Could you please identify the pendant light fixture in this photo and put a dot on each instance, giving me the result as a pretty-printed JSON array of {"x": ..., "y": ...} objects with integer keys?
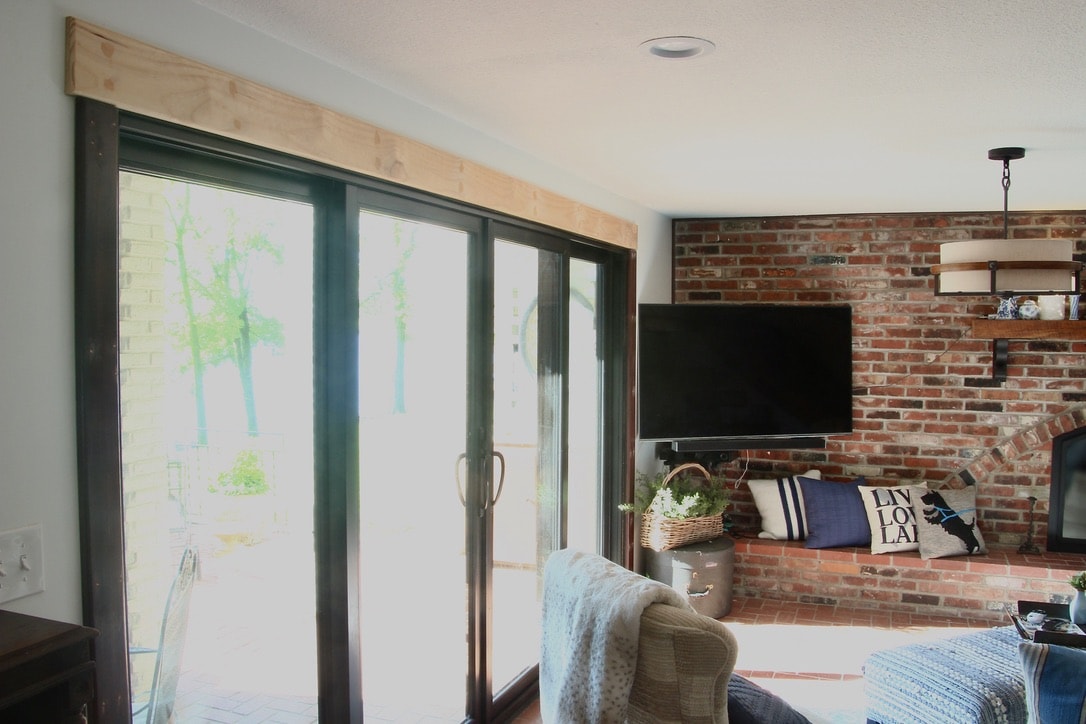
[{"x": 1006, "y": 267}]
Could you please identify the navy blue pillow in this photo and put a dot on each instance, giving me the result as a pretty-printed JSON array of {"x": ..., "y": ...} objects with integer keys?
[
  {"x": 835, "y": 513},
  {"x": 749, "y": 703},
  {"x": 1055, "y": 686}
]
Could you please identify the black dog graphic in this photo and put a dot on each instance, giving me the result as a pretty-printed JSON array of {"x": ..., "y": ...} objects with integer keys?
[{"x": 937, "y": 512}]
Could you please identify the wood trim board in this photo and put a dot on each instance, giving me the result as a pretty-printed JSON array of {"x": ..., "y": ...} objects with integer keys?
[{"x": 140, "y": 78}]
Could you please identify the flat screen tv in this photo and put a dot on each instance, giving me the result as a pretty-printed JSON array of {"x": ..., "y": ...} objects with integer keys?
[{"x": 740, "y": 371}]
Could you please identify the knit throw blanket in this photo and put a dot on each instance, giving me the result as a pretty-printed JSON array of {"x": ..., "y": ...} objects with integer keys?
[{"x": 591, "y": 622}]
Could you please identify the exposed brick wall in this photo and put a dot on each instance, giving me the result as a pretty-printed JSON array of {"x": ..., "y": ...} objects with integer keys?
[
  {"x": 148, "y": 566},
  {"x": 975, "y": 586},
  {"x": 925, "y": 408}
]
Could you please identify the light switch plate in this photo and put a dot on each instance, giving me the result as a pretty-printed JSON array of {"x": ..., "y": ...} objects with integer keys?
[{"x": 22, "y": 570}]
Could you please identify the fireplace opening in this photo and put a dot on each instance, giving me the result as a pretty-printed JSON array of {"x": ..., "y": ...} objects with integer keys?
[{"x": 1067, "y": 494}]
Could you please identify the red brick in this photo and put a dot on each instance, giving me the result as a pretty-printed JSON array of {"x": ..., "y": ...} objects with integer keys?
[
  {"x": 978, "y": 586},
  {"x": 917, "y": 418}
]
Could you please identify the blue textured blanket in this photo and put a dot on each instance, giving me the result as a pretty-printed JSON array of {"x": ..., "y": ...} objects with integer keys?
[{"x": 971, "y": 679}]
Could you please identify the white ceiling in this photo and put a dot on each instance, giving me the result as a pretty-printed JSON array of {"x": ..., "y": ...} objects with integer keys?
[{"x": 831, "y": 106}]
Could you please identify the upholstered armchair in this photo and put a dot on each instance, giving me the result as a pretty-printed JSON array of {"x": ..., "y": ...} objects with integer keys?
[{"x": 620, "y": 647}]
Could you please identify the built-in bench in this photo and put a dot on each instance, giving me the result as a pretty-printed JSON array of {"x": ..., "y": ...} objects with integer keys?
[{"x": 979, "y": 586}]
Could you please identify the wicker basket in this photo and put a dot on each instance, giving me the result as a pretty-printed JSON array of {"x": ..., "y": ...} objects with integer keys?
[{"x": 661, "y": 534}]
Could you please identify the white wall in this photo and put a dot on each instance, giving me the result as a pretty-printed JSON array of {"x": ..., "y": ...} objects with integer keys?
[{"x": 37, "y": 391}]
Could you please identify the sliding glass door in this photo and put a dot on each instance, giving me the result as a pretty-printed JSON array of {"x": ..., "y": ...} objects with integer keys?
[
  {"x": 216, "y": 330},
  {"x": 546, "y": 365},
  {"x": 412, "y": 378},
  {"x": 463, "y": 500},
  {"x": 345, "y": 426},
  {"x": 527, "y": 437}
]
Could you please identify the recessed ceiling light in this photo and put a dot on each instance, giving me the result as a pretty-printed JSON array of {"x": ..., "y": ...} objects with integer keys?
[{"x": 677, "y": 46}]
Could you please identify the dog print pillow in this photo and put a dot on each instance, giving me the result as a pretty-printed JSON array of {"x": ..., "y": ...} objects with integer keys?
[{"x": 946, "y": 522}]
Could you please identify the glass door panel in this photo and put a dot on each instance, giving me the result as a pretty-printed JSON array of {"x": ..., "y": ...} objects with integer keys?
[
  {"x": 524, "y": 513},
  {"x": 413, "y": 336},
  {"x": 543, "y": 365},
  {"x": 584, "y": 489},
  {"x": 217, "y": 449}
]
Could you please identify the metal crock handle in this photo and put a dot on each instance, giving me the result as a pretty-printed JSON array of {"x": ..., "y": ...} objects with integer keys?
[{"x": 701, "y": 594}]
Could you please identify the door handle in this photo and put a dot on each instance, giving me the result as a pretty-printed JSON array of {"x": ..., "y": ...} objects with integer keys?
[
  {"x": 462, "y": 457},
  {"x": 489, "y": 500},
  {"x": 493, "y": 500}
]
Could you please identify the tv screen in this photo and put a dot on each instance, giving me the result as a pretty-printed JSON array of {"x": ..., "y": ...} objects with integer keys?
[{"x": 744, "y": 371}]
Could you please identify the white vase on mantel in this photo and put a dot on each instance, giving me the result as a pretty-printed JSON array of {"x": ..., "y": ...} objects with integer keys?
[{"x": 1077, "y": 609}]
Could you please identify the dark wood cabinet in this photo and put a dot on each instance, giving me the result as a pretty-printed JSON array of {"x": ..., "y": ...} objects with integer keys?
[{"x": 46, "y": 670}]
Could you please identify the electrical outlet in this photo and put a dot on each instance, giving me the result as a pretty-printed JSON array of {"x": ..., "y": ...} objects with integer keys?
[{"x": 22, "y": 570}]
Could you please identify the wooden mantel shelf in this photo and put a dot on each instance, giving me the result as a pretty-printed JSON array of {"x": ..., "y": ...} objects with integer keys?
[
  {"x": 1000, "y": 331},
  {"x": 984, "y": 328}
]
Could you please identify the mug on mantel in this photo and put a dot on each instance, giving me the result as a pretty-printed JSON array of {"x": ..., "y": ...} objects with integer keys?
[{"x": 1052, "y": 306}]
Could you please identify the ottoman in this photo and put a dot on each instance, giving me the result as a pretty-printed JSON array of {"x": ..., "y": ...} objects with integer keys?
[{"x": 974, "y": 678}]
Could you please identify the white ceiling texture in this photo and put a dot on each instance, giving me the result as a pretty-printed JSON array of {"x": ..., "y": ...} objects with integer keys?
[{"x": 803, "y": 107}]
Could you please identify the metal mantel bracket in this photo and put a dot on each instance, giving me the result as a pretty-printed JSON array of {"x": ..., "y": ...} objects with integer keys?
[{"x": 1000, "y": 356}]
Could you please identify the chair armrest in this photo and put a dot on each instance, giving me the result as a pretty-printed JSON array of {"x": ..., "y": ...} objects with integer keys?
[{"x": 684, "y": 661}]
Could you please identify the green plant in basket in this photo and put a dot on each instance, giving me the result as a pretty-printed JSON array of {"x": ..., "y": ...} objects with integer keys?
[
  {"x": 681, "y": 497},
  {"x": 1078, "y": 581}
]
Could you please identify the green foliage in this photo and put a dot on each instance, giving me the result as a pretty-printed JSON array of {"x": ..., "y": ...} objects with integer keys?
[
  {"x": 229, "y": 326},
  {"x": 1078, "y": 581},
  {"x": 220, "y": 245},
  {"x": 683, "y": 497},
  {"x": 246, "y": 477}
]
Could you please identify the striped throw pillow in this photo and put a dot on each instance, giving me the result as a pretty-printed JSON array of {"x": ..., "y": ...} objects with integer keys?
[
  {"x": 780, "y": 505},
  {"x": 1055, "y": 685}
]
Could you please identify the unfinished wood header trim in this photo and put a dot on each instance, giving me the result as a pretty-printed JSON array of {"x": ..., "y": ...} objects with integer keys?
[{"x": 140, "y": 78}]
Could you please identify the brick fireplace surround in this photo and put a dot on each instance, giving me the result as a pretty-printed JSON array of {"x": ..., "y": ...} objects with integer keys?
[{"x": 925, "y": 406}]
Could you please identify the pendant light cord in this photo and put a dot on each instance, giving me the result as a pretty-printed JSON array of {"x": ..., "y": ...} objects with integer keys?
[
  {"x": 1006, "y": 189},
  {"x": 1006, "y": 155}
]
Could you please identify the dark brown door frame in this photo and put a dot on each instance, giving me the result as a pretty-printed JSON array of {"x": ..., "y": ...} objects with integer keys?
[{"x": 98, "y": 413}]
